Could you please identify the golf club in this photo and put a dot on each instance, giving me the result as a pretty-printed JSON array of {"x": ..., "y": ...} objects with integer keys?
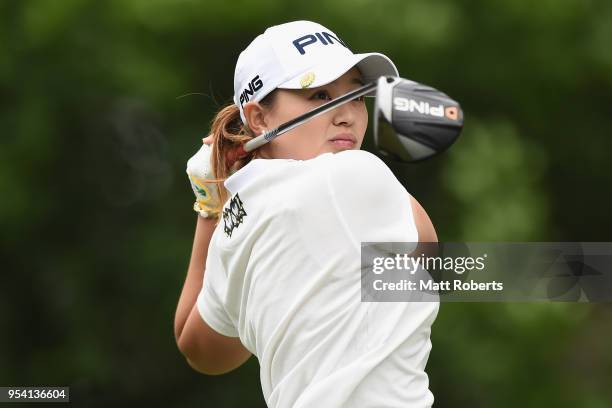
[{"x": 411, "y": 121}]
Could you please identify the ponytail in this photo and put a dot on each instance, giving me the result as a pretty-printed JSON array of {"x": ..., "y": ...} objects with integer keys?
[{"x": 229, "y": 134}]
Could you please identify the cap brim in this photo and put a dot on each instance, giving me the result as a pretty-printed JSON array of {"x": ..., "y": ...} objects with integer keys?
[{"x": 371, "y": 65}]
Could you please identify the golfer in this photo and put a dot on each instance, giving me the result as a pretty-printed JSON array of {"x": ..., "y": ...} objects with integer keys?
[{"x": 275, "y": 264}]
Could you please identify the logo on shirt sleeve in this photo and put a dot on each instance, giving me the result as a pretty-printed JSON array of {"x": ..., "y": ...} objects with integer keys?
[{"x": 233, "y": 215}]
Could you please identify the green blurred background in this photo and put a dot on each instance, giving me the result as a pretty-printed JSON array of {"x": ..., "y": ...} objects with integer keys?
[{"x": 95, "y": 213}]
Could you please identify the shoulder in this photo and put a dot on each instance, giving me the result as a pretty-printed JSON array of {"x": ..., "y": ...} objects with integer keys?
[
  {"x": 368, "y": 197},
  {"x": 361, "y": 174},
  {"x": 255, "y": 170},
  {"x": 357, "y": 161},
  {"x": 352, "y": 174}
]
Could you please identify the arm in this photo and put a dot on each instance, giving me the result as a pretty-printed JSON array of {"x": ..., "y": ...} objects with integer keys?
[
  {"x": 195, "y": 273},
  {"x": 206, "y": 350},
  {"x": 427, "y": 232}
]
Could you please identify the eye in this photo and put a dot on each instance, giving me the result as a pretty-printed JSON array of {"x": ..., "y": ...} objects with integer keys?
[{"x": 321, "y": 95}]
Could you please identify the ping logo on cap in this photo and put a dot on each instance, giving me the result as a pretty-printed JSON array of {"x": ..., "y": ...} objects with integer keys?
[
  {"x": 255, "y": 85},
  {"x": 323, "y": 37}
]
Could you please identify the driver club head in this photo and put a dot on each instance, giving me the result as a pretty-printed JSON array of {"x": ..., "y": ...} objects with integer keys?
[{"x": 412, "y": 121}]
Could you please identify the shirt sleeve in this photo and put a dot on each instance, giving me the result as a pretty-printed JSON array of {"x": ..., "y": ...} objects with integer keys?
[
  {"x": 372, "y": 204},
  {"x": 212, "y": 298}
]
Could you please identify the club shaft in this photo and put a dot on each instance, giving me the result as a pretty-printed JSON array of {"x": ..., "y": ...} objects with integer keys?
[{"x": 287, "y": 126}]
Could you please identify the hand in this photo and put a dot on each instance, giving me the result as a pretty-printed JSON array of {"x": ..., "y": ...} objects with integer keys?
[{"x": 199, "y": 171}]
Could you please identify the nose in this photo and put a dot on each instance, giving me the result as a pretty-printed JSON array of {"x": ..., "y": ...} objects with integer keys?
[{"x": 344, "y": 115}]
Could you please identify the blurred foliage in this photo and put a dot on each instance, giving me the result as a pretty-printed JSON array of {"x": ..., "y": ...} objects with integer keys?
[{"x": 102, "y": 103}]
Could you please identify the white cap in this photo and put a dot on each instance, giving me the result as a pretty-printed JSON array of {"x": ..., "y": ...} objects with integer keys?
[{"x": 297, "y": 55}]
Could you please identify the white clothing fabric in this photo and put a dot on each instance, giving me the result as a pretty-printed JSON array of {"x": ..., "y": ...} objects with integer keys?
[{"x": 287, "y": 282}]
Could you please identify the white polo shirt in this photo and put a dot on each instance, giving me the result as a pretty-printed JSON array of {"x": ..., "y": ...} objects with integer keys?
[{"x": 283, "y": 274}]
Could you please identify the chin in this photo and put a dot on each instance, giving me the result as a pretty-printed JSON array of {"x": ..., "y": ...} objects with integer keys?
[{"x": 337, "y": 149}]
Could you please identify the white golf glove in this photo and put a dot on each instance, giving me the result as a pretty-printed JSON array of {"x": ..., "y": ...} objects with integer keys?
[{"x": 199, "y": 169}]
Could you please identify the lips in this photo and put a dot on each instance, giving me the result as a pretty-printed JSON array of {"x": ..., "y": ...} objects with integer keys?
[{"x": 344, "y": 140}]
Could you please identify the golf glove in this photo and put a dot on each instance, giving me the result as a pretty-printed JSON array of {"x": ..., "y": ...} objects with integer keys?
[{"x": 199, "y": 169}]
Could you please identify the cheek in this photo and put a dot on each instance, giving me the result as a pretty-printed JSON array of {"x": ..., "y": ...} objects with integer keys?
[
  {"x": 308, "y": 137},
  {"x": 301, "y": 143},
  {"x": 279, "y": 117},
  {"x": 361, "y": 123}
]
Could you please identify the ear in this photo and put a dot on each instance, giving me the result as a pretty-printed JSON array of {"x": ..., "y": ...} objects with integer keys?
[{"x": 255, "y": 117}]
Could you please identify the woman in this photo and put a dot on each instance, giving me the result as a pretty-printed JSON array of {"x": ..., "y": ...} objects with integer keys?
[{"x": 277, "y": 275}]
